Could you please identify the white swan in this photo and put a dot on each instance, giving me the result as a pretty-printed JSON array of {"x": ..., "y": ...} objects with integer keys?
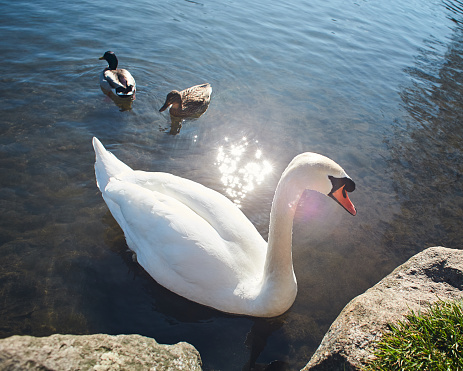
[{"x": 198, "y": 244}]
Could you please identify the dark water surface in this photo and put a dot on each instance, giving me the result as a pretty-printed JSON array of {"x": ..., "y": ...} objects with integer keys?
[{"x": 377, "y": 86}]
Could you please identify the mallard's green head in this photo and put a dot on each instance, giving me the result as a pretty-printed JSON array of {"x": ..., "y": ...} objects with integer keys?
[{"x": 111, "y": 58}]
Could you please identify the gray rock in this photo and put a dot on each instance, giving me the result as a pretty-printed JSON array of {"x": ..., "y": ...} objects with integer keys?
[
  {"x": 435, "y": 273},
  {"x": 95, "y": 352}
]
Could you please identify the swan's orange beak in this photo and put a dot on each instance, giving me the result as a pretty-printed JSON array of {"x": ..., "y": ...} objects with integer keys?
[{"x": 340, "y": 195}]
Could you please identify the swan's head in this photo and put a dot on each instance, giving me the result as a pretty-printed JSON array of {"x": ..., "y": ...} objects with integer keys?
[
  {"x": 319, "y": 173},
  {"x": 174, "y": 98},
  {"x": 111, "y": 58}
]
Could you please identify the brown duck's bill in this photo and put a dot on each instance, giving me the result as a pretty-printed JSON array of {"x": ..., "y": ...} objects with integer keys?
[
  {"x": 164, "y": 107},
  {"x": 341, "y": 197}
]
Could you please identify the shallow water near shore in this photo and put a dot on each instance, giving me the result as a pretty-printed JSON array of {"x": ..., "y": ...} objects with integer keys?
[{"x": 377, "y": 87}]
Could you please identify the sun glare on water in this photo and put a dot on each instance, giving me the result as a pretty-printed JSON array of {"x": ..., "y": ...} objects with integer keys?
[{"x": 242, "y": 167}]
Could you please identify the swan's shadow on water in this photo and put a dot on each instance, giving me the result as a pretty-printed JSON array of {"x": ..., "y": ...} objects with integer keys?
[
  {"x": 176, "y": 309},
  {"x": 256, "y": 342}
]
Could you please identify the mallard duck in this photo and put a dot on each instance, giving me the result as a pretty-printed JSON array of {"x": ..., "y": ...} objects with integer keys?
[
  {"x": 116, "y": 80},
  {"x": 189, "y": 102},
  {"x": 197, "y": 243}
]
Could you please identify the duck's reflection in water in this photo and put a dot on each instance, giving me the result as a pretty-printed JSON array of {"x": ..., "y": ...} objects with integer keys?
[
  {"x": 123, "y": 103},
  {"x": 176, "y": 123}
]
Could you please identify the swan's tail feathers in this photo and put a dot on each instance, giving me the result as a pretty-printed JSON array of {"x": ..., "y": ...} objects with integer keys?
[{"x": 106, "y": 165}]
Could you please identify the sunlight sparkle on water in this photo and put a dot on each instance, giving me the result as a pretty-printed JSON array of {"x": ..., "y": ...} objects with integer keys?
[{"x": 242, "y": 168}]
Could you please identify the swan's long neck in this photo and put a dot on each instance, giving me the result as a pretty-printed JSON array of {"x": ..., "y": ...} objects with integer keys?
[
  {"x": 279, "y": 255},
  {"x": 279, "y": 278}
]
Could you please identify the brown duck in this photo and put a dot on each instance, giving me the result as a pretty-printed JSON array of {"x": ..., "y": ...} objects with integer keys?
[{"x": 189, "y": 102}]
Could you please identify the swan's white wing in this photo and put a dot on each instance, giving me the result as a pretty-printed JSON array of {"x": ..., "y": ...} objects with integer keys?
[
  {"x": 224, "y": 216},
  {"x": 176, "y": 246},
  {"x": 217, "y": 210}
]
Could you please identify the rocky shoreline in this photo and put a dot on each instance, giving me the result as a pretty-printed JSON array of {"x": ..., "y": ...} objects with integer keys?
[
  {"x": 98, "y": 352},
  {"x": 434, "y": 274}
]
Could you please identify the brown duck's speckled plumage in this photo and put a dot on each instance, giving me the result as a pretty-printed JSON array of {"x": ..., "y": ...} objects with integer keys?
[{"x": 189, "y": 102}]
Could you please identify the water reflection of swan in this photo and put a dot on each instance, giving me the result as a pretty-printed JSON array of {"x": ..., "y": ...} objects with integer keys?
[{"x": 198, "y": 244}]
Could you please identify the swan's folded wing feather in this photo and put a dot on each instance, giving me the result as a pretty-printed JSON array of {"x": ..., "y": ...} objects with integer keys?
[
  {"x": 174, "y": 245},
  {"x": 223, "y": 215}
]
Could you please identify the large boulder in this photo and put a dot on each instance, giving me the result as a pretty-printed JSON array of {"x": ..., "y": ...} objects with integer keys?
[
  {"x": 95, "y": 352},
  {"x": 435, "y": 273}
]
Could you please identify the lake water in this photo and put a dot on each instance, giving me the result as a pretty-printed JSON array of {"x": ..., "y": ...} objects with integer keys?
[{"x": 376, "y": 86}]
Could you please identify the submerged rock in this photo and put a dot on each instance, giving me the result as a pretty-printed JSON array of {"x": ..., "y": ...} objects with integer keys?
[
  {"x": 435, "y": 273},
  {"x": 95, "y": 352}
]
